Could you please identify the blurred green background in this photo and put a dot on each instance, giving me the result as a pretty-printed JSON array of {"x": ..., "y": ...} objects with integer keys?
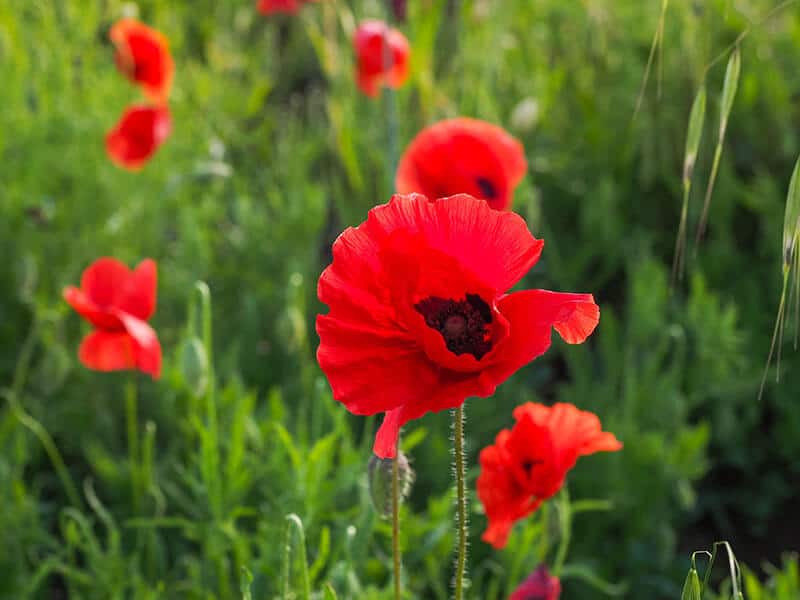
[{"x": 273, "y": 153}]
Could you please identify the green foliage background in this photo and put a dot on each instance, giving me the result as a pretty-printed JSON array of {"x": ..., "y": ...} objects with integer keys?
[{"x": 273, "y": 153}]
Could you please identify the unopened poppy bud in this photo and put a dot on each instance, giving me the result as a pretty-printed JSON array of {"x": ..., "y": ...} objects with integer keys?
[
  {"x": 194, "y": 366},
  {"x": 691, "y": 589},
  {"x": 379, "y": 472}
]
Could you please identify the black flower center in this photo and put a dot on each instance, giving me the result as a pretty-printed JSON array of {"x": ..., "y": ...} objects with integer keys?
[
  {"x": 464, "y": 324},
  {"x": 528, "y": 465},
  {"x": 487, "y": 188}
]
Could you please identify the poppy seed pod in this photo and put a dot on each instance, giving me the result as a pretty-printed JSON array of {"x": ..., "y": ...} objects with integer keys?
[{"x": 379, "y": 474}]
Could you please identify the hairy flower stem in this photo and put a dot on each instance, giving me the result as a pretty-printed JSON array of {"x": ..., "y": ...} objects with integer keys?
[
  {"x": 396, "y": 525},
  {"x": 461, "y": 501}
]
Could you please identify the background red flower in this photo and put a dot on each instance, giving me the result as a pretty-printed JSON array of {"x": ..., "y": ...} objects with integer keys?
[
  {"x": 382, "y": 56},
  {"x": 268, "y": 7},
  {"x": 528, "y": 464},
  {"x": 540, "y": 585},
  {"x": 138, "y": 134},
  {"x": 118, "y": 302},
  {"x": 142, "y": 55},
  {"x": 419, "y": 318},
  {"x": 463, "y": 156}
]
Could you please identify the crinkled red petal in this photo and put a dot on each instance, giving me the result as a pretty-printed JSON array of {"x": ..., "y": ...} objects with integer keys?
[{"x": 139, "y": 133}]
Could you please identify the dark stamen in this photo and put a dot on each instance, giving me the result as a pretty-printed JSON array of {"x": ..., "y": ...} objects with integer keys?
[
  {"x": 487, "y": 188},
  {"x": 464, "y": 324}
]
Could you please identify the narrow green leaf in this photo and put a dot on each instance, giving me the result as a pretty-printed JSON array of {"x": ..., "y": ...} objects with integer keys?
[
  {"x": 330, "y": 593},
  {"x": 728, "y": 95},
  {"x": 695, "y": 133},
  {"x": 729, "y": 89},
  {"x": 691, "y": 588},
  {"x": 791, "y": 216}
]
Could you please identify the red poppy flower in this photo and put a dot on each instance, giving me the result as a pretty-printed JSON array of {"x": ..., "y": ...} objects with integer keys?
[
  {"x": 539, "y": 586},
  {"x": 268, "y": 7},
  {"x": 137, "y": 136},
  {"x": 463, "y": 156},
  {"x": 142, "y": 55},
  {"x": 528, "y": 464},
  {"x": 382, "y": 54},
  {"x": 118, "y": 302},
  {"x": 419, "y": 316}
]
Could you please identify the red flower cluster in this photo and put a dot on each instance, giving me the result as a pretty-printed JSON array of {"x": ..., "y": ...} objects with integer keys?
[
  {"x": 539, "y": 586},
  {"x": 118, "y": 302},
  {"x": 463, "y": 156},
  {"x": 528, "y": 464},
  {"x": 382, "y": 55},
  {"x": 268, "y": 7},
  {"x": 419, "y": 315},
  {"x": 142, "y": 55}
]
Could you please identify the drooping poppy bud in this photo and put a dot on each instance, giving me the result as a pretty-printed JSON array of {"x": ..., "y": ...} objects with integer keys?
[
  {"x": 379, "y": 474},
  {"x": 142, "y": 55},
  {"x": 137, "y": 136},
  {"x": 382, "y": 56},
  {"x": 539, "y": 586}
]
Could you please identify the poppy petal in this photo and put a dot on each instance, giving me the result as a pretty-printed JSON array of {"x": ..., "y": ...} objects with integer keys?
[
  {"x": 137, "y": 296},
  {"x": 497, "y": 246},
  {"x": 103, "y": 279},
  {"x": 268, "y": 7},
  {"x": 108, "y": 351},
  {"x": 139, "y": 133},
  {"x": 579, "y": 432},
  {"x": 503, "y": 500},
  {"x": 147, "y": 347},
  {"x": 84, "y": 306},
  {"x": 142, "y": 55},
  {"x": 573, "y": 316},
  {"x": 463, "y": 156},
  {"x": 371, "y": 370}
]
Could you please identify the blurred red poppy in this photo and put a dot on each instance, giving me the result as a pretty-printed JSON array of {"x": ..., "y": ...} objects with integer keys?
[
  {"x": 419, "y": 316},
  {"x": 142, "y": 55},
  {"x": 463, "y": 156},
  {"x": 540, "y": 585},
  {"x": 137, "y": 136},
  {"x": 268, "y": 7},
  {"x": 118, "y": 302},
  {"x": 528, "y": 464},
  {"x": 382, "y": 56}
]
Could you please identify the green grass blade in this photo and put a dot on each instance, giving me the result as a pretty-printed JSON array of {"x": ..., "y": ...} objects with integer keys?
[
  {"x": 693, "y": 137},
  {"x": 729, "y": 87}
]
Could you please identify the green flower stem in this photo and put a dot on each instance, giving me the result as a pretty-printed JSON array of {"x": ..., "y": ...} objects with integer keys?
[
  {"x": 461, "y": 501},
  {"x": 396, "y": 525},
  {"x": 30, "y": 423},
  {"x": 565, "y": 523},
  {"x": 132, "y": 424}
]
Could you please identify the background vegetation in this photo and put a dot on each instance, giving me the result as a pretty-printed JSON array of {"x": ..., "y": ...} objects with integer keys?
[{"x": 273, "y": 152}]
